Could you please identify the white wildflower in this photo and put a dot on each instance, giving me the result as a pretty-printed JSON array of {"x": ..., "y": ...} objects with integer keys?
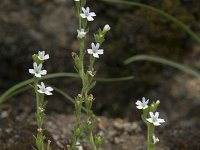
[
  {"x": 95, "y": 51},
  {"x": 37, "y": 70},
  {"x": 154, "y": 119},
  {"x": 44, "y": 90},
  {"x": 87, "y": 14},
  {"x": 42, "y": 56},
  {"x": 81, "y": 33},
  {"x": 142, "y": 104}
]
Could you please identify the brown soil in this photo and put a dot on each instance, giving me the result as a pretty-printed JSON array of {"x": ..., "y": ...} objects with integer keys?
[{"x": 17, "y": 127}]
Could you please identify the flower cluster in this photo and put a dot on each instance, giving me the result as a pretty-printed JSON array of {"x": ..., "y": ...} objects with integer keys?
[
  {"x": 89, "y": 16},
  {"x": 154, "y": 118},
  {"x": 40, "y": 90},
  {"x": 152, "y": 121},
  {"x": 86, "y": 75},
  {"x": 38, "y": 72}
]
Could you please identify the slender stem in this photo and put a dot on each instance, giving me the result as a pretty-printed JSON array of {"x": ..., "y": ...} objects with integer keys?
[
  {"x": 91, "y": 138},
  {"x": 150, "y": 131},
  {"x": 37, "y": 98},
  {"x": 81, "y": 74},
  {"x": 39, "y": 115}
]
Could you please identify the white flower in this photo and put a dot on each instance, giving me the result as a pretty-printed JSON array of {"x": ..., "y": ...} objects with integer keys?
[
  {"x": 42, "y": 56},
  {"x": 155, "y": 139},
  {"x": 44, "y": 90},
  {"x": 87, "y": 14},
  {"x": 37, "y": 70},
  {"x": 142, "y": 104},
  {"x": 81, "y": 33},
  {"x": 106, "y": 28},
  {"x": 95, "y": 51},
  {"x": 154, "y": 119}
]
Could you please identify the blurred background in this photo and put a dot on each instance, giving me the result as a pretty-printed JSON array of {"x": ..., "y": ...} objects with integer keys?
[{"x": 29, "y": 26}]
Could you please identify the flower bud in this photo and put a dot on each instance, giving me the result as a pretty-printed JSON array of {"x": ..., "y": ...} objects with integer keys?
[
  {"x": 98, "y": 140},
  {"x": 106, "y": 28},
  {"x": 78, "y": 131}
]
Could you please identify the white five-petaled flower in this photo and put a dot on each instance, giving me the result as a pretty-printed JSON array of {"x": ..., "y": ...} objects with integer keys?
[
  {"x": 155, "y": 139},
  {"x": 42, "y": 56},
  {"x": 142, "y": 104},
  {"x": 106, "y": 28},
  {"x": 154, "y": 119},
  {"x": 44, "y": 90},
  {"x": 81, "y": 33},
  {"x": 95, "y": 51},
  {"x": 87, "y": 14},
  {"x": 37, "y": 70}
]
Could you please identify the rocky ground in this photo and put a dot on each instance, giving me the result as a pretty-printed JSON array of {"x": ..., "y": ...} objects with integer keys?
[{"x": 17, "y": 127}]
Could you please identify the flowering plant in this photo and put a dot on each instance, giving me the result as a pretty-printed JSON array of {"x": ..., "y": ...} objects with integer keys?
[
  {"x": 150, "y": 122},
  {"x": 40, "y": 92},
  {"x": 87, "y": 76}
]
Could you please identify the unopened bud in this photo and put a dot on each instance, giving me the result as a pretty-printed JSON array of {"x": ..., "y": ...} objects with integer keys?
[
  {"x": 39, "y": 129},
  {"x": 78, "y": 131},
  {"x": 155, "y": 139},
  {"x": 106, "y": 28},
  {"x": 41, "y": 109},
  {"x": 98, "y": 140},
  {"x": 90, "y": 98}
]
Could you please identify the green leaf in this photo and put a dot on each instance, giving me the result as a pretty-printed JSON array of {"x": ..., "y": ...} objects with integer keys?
[
  {"x": 164, "y": 61},
  {"x": 18, "y": 88},
  {"x": 162, "y": 13},
  {"x": 114, "y": 79}
]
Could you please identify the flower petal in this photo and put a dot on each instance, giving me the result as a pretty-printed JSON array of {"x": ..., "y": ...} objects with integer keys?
[
  {"x": 138, "y": 102},
  {"x": 31, "y": 71},
  {"x": 100, "y": 51},
  {"x": 157, "y": 114},
  {"x": 48, "y": 93},
  {"x": 89, "y": 51},
  {"x": 83, "y": 9},
  {"x": 151, "y": 114},
  {"x": 161, "y": 120},
  {"x": 156, "y": 123},
  {"x": 46, "y": 57},
  {"x": 83, "y": 15},
  {"x": 92, "y": 14},
  {"x": 40, "y": 91},
  {"x": 150, "y": 120},
  {"x": 37, "y": 75},
  {"x": 139, "y": 107},
  {"x": 43, "y": 72},
  {"x": 49, "y": 88},
  {"x": 95, "y": 55},
  {"x": 90, "y": 18}
]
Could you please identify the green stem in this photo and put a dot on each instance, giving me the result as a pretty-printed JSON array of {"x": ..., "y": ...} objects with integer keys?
[
  {"x": 37, "y": 98},
  {"x": 150, "y": 132},
  {"x": 39, "y": 115},
  {"x": 91, "y": 139}
]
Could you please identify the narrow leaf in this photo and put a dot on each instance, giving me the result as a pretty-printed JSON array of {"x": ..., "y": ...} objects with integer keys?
[{"x": 176, "y": 65}]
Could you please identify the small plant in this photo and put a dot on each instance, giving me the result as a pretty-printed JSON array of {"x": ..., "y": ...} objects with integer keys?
[
  {"x": 86, "y": 74},
  {"x": 151, "y": 122},
  {"x": 40, "y": 91}
]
